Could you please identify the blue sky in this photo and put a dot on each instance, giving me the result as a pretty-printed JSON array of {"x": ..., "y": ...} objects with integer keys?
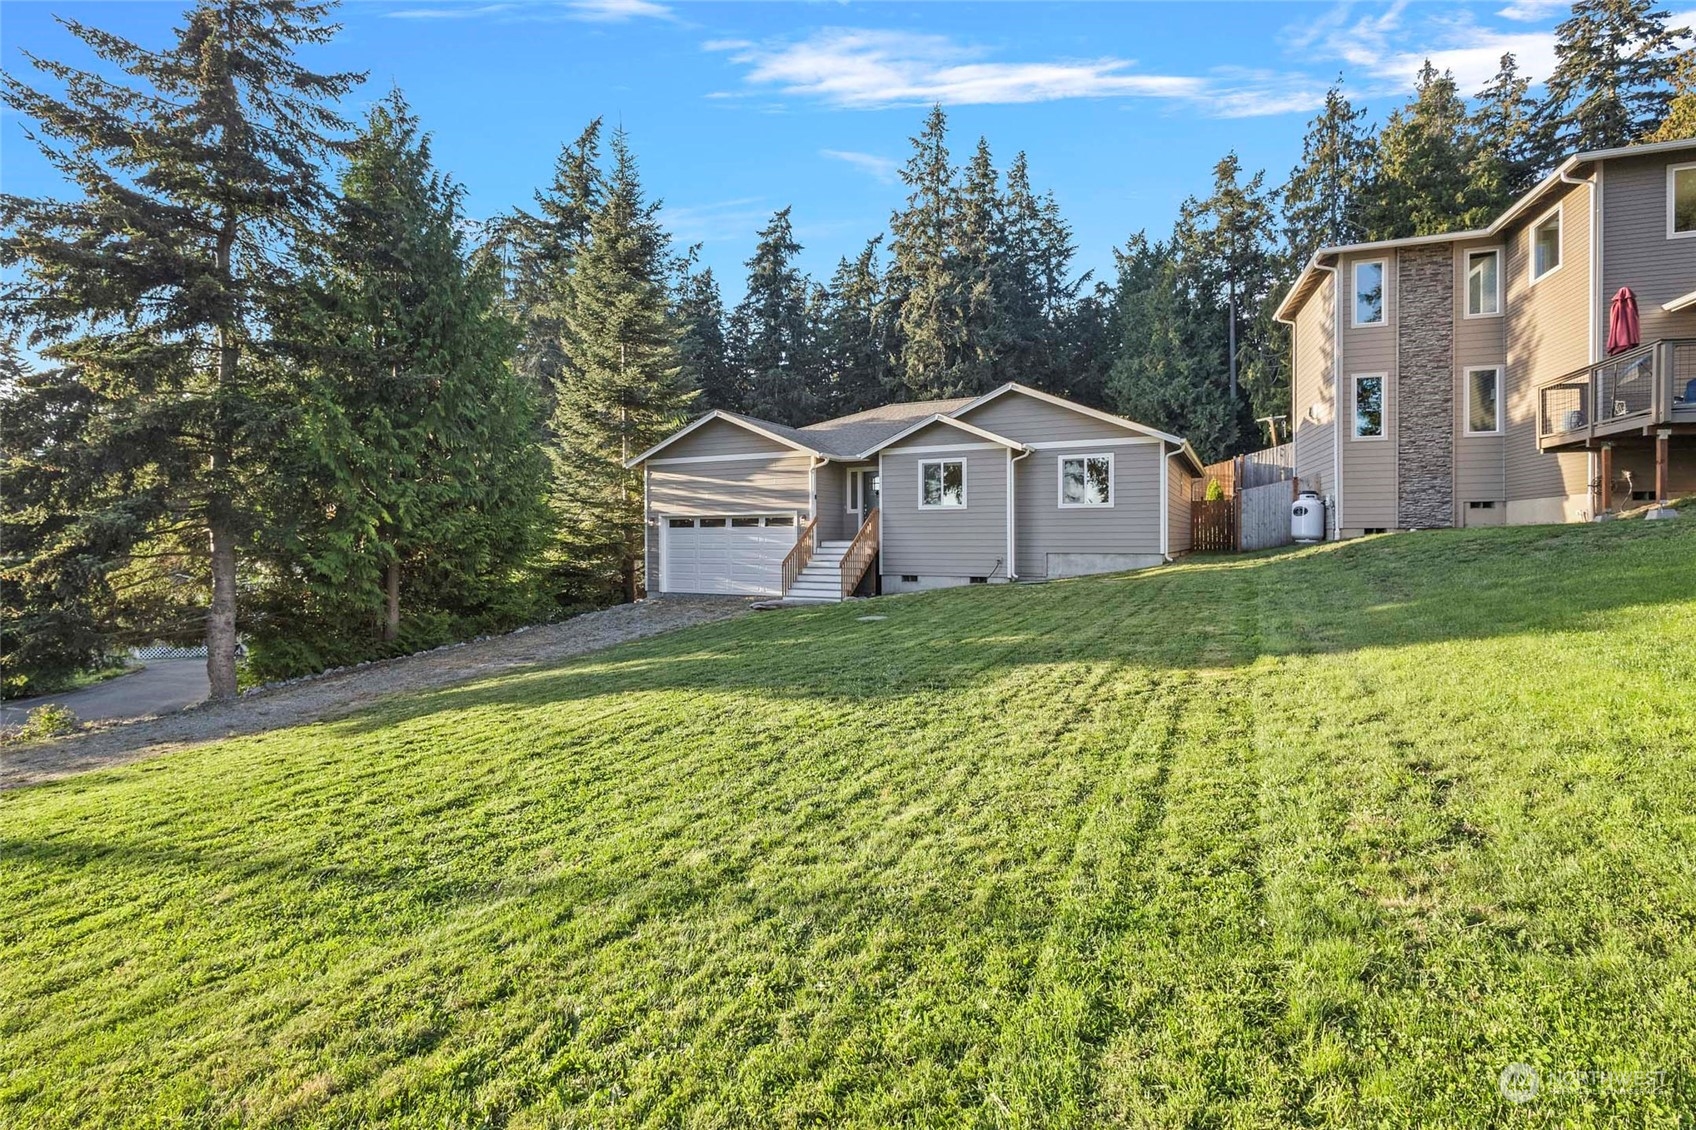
[{"x": 736, "y": 110}]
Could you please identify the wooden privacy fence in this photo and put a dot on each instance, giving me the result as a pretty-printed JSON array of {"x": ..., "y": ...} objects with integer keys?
[{"x": 1255, "y": 510}]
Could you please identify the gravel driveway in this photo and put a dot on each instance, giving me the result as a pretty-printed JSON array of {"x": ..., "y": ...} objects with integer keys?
[{"x": 339, "y": 693}]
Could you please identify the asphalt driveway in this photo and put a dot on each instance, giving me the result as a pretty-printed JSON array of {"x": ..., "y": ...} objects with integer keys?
[{"x": 161, "y": 687}]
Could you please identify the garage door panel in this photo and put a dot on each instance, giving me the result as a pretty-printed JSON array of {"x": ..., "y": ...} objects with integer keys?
[{"x": 733, "y": 557}]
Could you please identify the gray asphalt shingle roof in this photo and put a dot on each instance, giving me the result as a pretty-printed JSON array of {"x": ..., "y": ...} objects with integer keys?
[{"x": 850, "y": 435}]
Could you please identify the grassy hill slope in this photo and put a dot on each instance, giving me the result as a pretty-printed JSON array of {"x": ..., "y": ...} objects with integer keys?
[{"x": 1327, "y": 836}]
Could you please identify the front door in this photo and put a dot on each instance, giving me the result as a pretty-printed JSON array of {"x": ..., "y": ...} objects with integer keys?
[{"x": 862, "y": 494}]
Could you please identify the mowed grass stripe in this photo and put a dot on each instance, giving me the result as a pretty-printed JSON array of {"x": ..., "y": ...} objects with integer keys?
[{"x": 1318, "y": 837}]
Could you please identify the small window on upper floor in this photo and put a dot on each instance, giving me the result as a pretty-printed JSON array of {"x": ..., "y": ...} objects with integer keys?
[
  {"x": 1483, "y": 283},
  {"x": 1546, "y": 245},
  {"x": 1369, "y": 293},
  {"x": 1681, "y": 201}
]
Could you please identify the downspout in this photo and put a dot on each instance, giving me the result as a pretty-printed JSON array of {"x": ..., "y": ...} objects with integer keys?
[
  {"x": 1013, "y": 512},
  {"x": 1336, "y": 507},
  {"x": 1166, "y": 499}
]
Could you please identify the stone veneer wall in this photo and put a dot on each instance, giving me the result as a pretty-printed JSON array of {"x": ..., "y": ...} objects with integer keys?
[{"x": 1425, "y": 410}]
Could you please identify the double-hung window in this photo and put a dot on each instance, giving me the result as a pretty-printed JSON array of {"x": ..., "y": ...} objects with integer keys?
[
  {"x": 1369, "y": 406},
  {"x": 1546, "y": 245},
  {"x": 1483, "y": 283},
  {"x": 1086, "y": 480},
  {"x": 1681, "y": 201},
  {"x": 942, "y": 483},
  {"x": 1369, "y": 293},
  {"x": 1484, "y": 400}
]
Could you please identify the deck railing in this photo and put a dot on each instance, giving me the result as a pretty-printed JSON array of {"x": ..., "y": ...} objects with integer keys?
[
  {"x": 1652, "y": 384},
  {"x": 858, "y": 558},
  {"x": 796, "y": 559}
]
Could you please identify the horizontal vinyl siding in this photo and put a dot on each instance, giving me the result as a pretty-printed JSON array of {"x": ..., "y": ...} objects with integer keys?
[
  {"x": 1479, "y": 460},
  {"x": 1130, "y": 526},
  {"x": 1635, "y": 249},
  {"x": 1547, "y": 334},
  {"x": 720, "y": 437},
  {"x": 1369, "y": 466},
  {"x": 1314, "y": 411},
  {"x": 831, "y": 483},
  {"x": 938, "y": 542},
  {"x": 1179, "y": 489},
  {"x": 1029, "y": 420},
  {"x": 742, "y": 486}
]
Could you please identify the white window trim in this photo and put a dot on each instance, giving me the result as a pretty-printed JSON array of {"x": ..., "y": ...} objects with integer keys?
[
  {"x": 1383, "y": 266},
  {"x": 1383, "y": 407},
  {"x": 1672, "y": 197},
  {"x": 1466, "y": 280},
  {"x": 1501, "y": 371},
  {"x": 964, "y": 499},
  {"x": 1060, "y": 481},
  {"x": 1558, "y": 210}
]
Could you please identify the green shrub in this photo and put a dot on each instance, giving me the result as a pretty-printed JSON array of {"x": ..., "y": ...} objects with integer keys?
[
  {"x": 1215, "y": 492},
  {"x": 47, "y": 721}
]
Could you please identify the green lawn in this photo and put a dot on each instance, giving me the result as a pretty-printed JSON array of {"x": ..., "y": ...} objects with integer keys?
[{"x": 1327, "y": 836}]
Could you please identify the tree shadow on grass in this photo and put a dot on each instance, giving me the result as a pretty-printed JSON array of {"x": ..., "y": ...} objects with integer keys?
[{"x": 1208, "y": 613}]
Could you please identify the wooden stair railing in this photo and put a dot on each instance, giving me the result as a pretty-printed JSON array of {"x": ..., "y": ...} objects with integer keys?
[
  {"x": 859, "y": 556},
  {"x": 797, "y": 558}
]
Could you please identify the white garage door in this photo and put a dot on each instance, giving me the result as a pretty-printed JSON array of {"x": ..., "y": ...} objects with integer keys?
[{"x": 738, "y": 555}]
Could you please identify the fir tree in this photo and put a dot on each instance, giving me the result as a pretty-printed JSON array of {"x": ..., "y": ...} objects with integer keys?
[
  {"x": 858, "y": 335},
  {"x": 1615, "y": 61},
  {"x": 153, "y": 284},
  {"x": 983, "y": 279},
  {"x": 1506, "y": 161},
  {"x": 413, "y": 462},
  {"x": 1038, "y": 291},
  {"x": 620, "y": 389},
  {"x": 1323, "y": 198},
  {"x": 702, "y": 349},
  {"x": 1167, "y": 372},
  {"x": 772, "y": 337},
  {"x": 925, "y": 272},
  {"x": 1680, "y": 122},
  {"x": 1422, "y": 184}
]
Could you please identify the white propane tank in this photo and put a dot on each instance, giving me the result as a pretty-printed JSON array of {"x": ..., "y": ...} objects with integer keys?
[{"x": 1307, "y": 517}]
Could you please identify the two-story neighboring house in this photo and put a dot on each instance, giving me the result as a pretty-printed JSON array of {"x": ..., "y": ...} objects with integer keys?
[{"x": 1464, "y": 379}]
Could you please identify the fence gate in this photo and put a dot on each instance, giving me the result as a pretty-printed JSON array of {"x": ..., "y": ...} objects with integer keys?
[{"x": 1213, "y": 525}]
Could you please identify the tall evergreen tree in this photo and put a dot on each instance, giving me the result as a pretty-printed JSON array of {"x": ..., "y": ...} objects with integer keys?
[
  {"x": 1323, "y": 197},
  {"x": 858, "y": 335},
  {"x": 1225, "y": 241},
  {"x": 1422, "y": 184},
  {"x": 702, "y": 349},
  {"x": 541, "y": 250},
  {"x": 773, "y": 343},
  {"x": 925, "y": 269},
  {"x": 1038, "y": 291},
  {"x": 1168, "y": 368},
  {"x": 152, "y": 285},
  {"x": 1506, "y": 161},
  {"x": 620, "y": 388},
  {"x": 1680, "y": 122},
  {"x": 982, "y": 274},
  {"x": 1615, "y": 61},
  {"x": 55, "y": 551},
  {"x": 413, "y": 461}
]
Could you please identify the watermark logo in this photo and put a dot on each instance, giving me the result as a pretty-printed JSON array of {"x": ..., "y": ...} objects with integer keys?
[{"x": 1518, "y": 1082}]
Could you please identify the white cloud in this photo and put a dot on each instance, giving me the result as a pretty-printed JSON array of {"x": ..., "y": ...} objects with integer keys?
[
  {"x": 739, "y": 218},
  {"x": 871, "y": 69},
  {"x": 879, "y": 168},
  {"x": 1533, "y": 11},
  {"x": 595, "y": 11}
]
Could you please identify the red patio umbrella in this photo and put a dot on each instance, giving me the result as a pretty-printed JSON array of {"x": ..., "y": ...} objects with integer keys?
[{"x": 1623, "y": 329}]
